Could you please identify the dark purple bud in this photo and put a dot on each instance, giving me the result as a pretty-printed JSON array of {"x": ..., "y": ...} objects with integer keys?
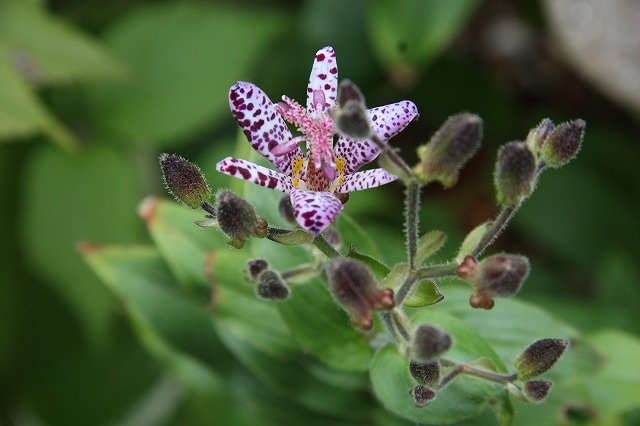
[
  {"x": 286, "y": 209},
  {"x": 515, "y": 172},
  {"x": 422, "y": 396},
  {"x": 501, "y": 275},
  {"x": 564, "y": 143},
  {"x": 355, "y": 289},
  {"x": 449, "y": 149},
  {"x": 184, "y": 181},
  {"x": 426, "y": 373},
  {"x": 351, "y": 117},
  {"x": 271, "y": 286},
  {"x": 539, "y": 357},
  {"x": 236, "y": 218},
  {"x": 537, "y": 390},
  {"x": 429, "y": 343},
  {"x": 255, "y": 267}
]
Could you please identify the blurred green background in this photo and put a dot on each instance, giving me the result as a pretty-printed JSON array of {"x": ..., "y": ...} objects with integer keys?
[{"x": 91, "y": 92}]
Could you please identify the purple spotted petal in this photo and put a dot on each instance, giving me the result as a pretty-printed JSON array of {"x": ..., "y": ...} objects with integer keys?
[
  {"x": 365, "y": 180},
  {"x": 261, "y": 123},
  {"x": 314, "y": 211},
  {"x": 323, "y": 81},
  {"x": 387, "y": 121},
  {"x": 259, "y": 175}
]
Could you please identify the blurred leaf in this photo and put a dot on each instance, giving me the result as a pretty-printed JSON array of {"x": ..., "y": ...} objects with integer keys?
[
  {"x": 429, "y": 244},
  {"x": 424, "y": 293},
  {"x": 379, "y": 269},
  {"x": 89, "y": 195},
  {"x": 186, "y": 56},
  {"x": 414, "y": 32},
  {"x": 465, "y": 397},
  {"x": 471, "y": 241},
  {"x": 21, "y": 113},
  {"x": 48, "y": 51}
]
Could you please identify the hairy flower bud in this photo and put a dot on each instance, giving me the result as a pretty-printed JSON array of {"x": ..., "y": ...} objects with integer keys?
[
  {"x": 515, "y": 172},
  {"x": 539, "y": 357},
  {"x": 422, "y": 396},
  {"x": 285, "y": 208},
  {"x": 564, "y": 143},
  {"x": 539, "y": 135},
  {"x": 351, "y": 117},
  {"x": 271, "y": 286},
  {"x": 255, "y": 267},
  {"x": 354, "y": 288},
  {"x": 236, "y": 218},
  {"x": 184, "y": 180},
  {"x": 426, "y": 373},
  {"x": 429, "y": 343},
  {"x": 537, "y": 390},
  {"x": 449, "y": 149}
]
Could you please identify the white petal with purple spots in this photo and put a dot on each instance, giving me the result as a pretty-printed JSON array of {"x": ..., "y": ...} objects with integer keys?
[
  {"x": 323, "y": 81},
  {"x": 387, "y": 121},
  {"x": 314, "y": 211},
  {"x": 261, "y": 123},
  {"x": 259, "y": 175},
  {"x": 365, "y": 180}
]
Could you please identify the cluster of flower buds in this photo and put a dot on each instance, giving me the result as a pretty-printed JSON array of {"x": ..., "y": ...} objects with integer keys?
[
  {"x": 499, "y": 275},
  {"x": 428, "y": 345},
  {"x": 539, "y": 357},
  {"x": 355, "y": 289},
  {"x": 269, "y": 284}
]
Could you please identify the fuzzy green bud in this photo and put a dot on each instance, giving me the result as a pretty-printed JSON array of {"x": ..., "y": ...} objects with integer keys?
[
  {"x": 429, "y": 343},
  {"x": 184, "y": 180},
  {"x": 354, "y": 288},
  {"x": 236, "y": 218},
  {"x": 449, "y": 149},
  {"x": 515, "y": 172},
  {"x": 271, "y": 286},
  {"x": 564, "y": 143},
  {"x": 539, "y": 357},
  {"x": 501, "y": 275},
  {"x": 537, "y": 390},
  {"x": 426, "y": 373},
  {"x": 422, "y": 396},
  {"x": 351, "y": 115},
  {"x": 539, "y": 135}
]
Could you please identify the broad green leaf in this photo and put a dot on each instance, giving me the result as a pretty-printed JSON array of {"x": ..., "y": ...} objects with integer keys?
[
  {"x": 412, "y": 33},
  {"x": 353, "y": 234},
  {"x": 379, "y": 269},
  {"x": 48, "y": 51},
  {"x": 323, "y": 329},
  {"x": 428, "y": 244},
  {"x": 471, "y": 241},
  {"x": 465, "y": 397},
  {"x": 91, "y": 195},
  {"x": 21, "y": 113},
  {"x": 424, "y": 293},
  {"x": 186, "y": 56}
]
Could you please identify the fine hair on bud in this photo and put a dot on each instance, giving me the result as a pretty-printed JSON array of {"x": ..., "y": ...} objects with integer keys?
[
  {"x": 354, "y": 288},
  {"x": 184, "y": 180},
  {"x": 449, "y": 149},
  {"x": 539, "y": 357},
  {"x": 255, "y": 267},
  {"x": 426, "y": 373},
  {"x": 539, "y": 135},
  {"x": 564, "y": 143},
  {"x": 271, "y": 286},
  {"x": 422, "y": 395},
  {"x": 515, "y": 172},
  {"x": 537, "y": 390},
  {"x": 236, "y": 217},
  {"x": 429, "y": 343},
  {"x": 501, "y": 275}
]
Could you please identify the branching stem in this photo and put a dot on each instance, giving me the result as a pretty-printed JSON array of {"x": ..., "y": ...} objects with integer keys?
[{"x": 459, "y": 369}]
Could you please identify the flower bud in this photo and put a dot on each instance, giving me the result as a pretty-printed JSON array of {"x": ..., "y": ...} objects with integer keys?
[
  {"x": 351, "y": 117},
  {"x": 426, "y": 373},
  {"x": 271, "y": 286},
  {"x": 422, "y": 396},
  {"x": 539, "y": 357},
  {"x": 255, "y": 267},
  {"x": 515, "y": 172},
  {"x": 354, "y": 288},
  {"x": 539, "y": 135},
  {"x": 236, "y": 218},
  {"x": 449, "y": 149},
  {"x": 184, "y": 181},
  {"x": 564, "y": 143},
  {"x": 501, "y": 275},
  {"x": 537, "y": 390},
  {"x": 429, "y": 343},
  {"x": 285, "y": 208}
]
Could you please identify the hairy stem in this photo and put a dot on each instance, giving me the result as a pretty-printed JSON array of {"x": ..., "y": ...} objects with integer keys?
[
  {"x": 497, "y": 226},
  {"x": 438, "y": 271},
  {"x": 325, "y": 247},
  {"x": 209, "y": 208},
  {"x": 412, "y": 208},
  {"x": 392, "y": 154},
  {"x": 405, "y": 288},
  {"x": 459, "y": 369}
]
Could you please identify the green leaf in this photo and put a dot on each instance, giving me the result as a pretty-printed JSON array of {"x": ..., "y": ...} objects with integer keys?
[
  {"x": 471, "y": 241},
  {"x": 414, "y": 32},
  {"x": 465, "y": 397},
  {"x": 379, "y": 269},
  {"x": 424, "y": 293},
  {"x": 186, "y": 55},
  {"x": 396, "y": 277},
  {"x": 429, "y": 244}
]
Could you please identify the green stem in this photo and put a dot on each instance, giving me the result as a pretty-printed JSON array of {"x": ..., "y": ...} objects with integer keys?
[
  {"x": 497, "y": 226},
  {"x": 438, "y": 271},
  {"x": 412, "y": 207},
  {"x": 325, "y": 247},
  {"x": 405, "y": 288},
  {"x": 392, "y": 154},
  {"x": 459, "y": 369}
]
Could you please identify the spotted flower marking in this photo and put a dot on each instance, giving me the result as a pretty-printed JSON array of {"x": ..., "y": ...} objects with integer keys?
[{"x": 312, "y": 177}]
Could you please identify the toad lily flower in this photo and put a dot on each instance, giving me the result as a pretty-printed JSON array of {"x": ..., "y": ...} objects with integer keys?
[{"x": 317, "y": 180}]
